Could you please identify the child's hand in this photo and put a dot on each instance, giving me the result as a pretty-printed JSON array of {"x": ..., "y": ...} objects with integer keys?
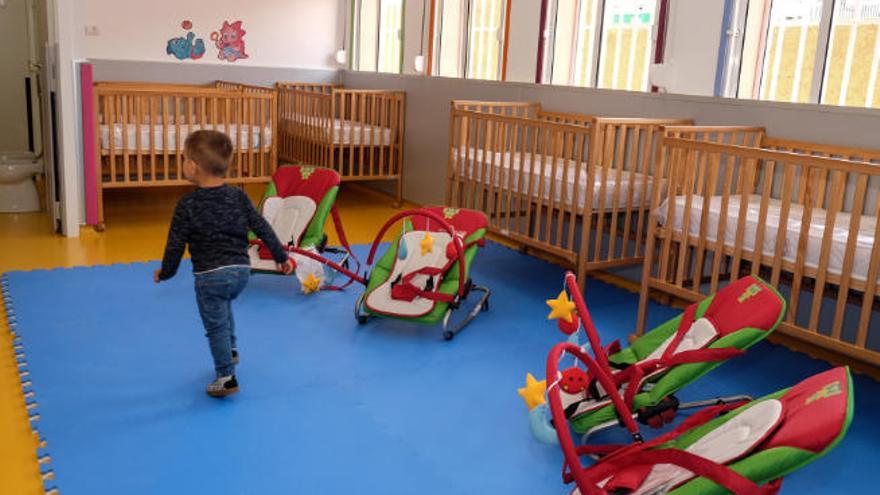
[
  {"x": 286, "y": 267},
  {"x": 156, "y": 276}
]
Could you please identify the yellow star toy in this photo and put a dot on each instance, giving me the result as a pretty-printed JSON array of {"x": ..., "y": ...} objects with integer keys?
[
  {"x": 533, "y": 392},
  {"x": 561, "y": 307},
  {"x": 311, "y": 284},
  {"x": 427, "y": 244}
]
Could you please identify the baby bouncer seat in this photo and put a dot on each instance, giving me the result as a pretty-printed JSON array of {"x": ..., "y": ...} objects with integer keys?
[
  {"x": 745, "y": 447},
  {"x": 739, "y": 446},
  {"x": 656, "y": 365},
  {"x": 297, "y": 204},
  {"x": 424, "y": 276}
]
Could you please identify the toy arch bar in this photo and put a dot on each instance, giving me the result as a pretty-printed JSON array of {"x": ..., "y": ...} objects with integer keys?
[{"x": 430, "y": 215}]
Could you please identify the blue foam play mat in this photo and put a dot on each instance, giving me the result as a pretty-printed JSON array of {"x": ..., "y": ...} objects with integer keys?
[{"x": 118, "y": 366}]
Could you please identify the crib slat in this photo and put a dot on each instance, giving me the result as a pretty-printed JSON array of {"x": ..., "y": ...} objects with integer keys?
[
  {"x": 578, "y": 153},
  {"x": 711, "y": 162},
  {"x": 494, "y": 165},
  {"x": 721, "y": 235},
  {"x": 761, "y": 227},
  {"x": 870, "y": 282},
  {"x": 153, "y": 105},
  {"x": 803, "y": 241},
  {"x": 607, "y": 137},
  {"x": 676, "y": 170},
  {"x": 691, "y": 165},
  {"x": 362, "y": 118},
  {"x": 838, "y": 183},
  {"x": 110, "y": 118},
  {"x": 849, "y": 254},
  {"x": 126, "y": 108},
  {"x": 634, "y": 173},
  {"x": 550, "y": 200},
  {"x": 647, "y": 167},
  {"x": 165, "y": 102},
  {"x": 618, "y": 163},
  {"x": 745, "y": 184}
]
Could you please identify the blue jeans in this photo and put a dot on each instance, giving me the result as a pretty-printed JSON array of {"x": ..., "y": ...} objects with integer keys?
[{"x": 215, "y": 292}]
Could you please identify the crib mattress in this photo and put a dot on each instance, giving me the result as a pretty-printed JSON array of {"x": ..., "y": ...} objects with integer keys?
[
  {"x": 503, "y": 172},
  {"x": 345, "y": 132},
  {"x": 125, "y": 137},
  {"x": 839, "y": 237}
]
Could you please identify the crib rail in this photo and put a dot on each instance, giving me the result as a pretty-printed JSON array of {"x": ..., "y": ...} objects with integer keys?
[
  {"x": 505, "y": 108},
  {"x": 358, "y": 133},
  {"x": 246, "y": 88},
  {"x": 805, "y": 223},
  {"x": 140, "y": 130},
  {"x": 578, "y": 192}
]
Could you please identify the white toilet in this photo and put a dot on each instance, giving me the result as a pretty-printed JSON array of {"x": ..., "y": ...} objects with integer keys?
[{"x": 18, "y": 193}]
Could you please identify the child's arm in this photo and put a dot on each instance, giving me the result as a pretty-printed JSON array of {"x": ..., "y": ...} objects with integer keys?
[
  {"x": 176, "y": 244},
  {"x": 264, "y": 231}
]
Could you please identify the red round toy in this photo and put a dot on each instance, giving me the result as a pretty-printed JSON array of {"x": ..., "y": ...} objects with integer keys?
[
  {"x": 186, "y": 25},
  {"x": 574, "y": 380},
  {"x": 569, "y": 328}
]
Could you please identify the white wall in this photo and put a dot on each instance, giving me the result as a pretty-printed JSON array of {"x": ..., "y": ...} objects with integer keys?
[
  {"x": 522, "y": 49},
  {"x": 693, "y": 39},
  {"x": 14, "y": 60},
  {"x": 280, "y": 33}
]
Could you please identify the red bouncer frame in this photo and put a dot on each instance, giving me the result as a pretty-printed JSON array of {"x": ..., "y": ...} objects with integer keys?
[{"x": 618, "y": 456}]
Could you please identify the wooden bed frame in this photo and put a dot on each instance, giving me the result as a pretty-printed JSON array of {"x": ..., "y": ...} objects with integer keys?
[
  {"x": 357, "y": 133},
  {"x": 140, "y": 130},
  {"x": 586, "y": 228},
  {"x": 798, "y": 181}
]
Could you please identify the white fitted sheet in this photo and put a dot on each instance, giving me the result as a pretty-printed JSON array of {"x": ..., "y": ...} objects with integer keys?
[
  {"x": 345, "y": 132},
  {"x": 840, "y": 234},
  {"x": 168, "y": 136},
  {"x": 478, "y": 165}
]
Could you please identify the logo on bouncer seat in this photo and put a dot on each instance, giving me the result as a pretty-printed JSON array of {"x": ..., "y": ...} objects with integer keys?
[
  {"x": 825, "y": 392},
  {"x": 750, "y": 292}
]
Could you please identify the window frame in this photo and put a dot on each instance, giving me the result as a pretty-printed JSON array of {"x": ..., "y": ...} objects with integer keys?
[
  {"x": 819, "y": 78},
  {"x": 466, "y": 7},
  {"x": 593, "y": 72},
  {"x": 356, "y": 30}
]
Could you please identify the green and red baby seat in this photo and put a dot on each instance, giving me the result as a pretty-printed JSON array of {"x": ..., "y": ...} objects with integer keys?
[
  {"x": 424, "y": 275},
  {"x": 297, "y": 204},
  {"x": 744, "y": 447}
]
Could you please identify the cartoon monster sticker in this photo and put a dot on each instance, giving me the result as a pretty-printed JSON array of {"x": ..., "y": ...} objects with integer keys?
[
  {"x": 230, "y": 41},
  {"x": 186, "y": 47}
]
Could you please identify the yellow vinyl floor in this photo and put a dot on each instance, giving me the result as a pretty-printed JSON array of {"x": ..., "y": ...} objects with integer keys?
[{"x": 137, "y": 223}]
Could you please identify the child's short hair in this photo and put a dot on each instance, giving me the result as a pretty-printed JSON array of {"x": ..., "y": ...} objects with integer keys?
[{"x": 211, "y": 150}]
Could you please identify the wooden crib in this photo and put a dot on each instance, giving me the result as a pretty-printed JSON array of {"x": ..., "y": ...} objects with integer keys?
[
  {"x": 573, "y": 186},
  {"x": 803, "y": 216},
  {"x": 357, "y": 133},
  {"x": 140, "y": 129}
]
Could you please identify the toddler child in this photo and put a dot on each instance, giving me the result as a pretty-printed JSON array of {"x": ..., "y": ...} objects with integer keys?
[{"x": 214, "y": 221}]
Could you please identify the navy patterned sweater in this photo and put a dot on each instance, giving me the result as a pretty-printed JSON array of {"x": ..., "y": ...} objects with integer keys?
[{"x": 214, "y": 223}]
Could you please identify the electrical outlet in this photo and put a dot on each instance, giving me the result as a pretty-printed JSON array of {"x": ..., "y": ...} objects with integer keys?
[{"x": 92, "y": 30}]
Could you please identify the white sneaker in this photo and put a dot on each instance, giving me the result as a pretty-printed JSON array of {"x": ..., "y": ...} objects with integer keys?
[{"x": 223, "y": 386}]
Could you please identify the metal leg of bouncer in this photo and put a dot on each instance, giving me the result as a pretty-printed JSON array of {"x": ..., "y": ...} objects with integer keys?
[
  {"x": 360, "y": 315},
  {"x": 482, "y": 304},
  {"x": 684, "y": 405}
]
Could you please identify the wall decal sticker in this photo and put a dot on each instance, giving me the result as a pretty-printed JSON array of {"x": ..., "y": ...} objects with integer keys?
[
  {"x": 230, "y": 41},
  {"x": 186, "y": 47}
]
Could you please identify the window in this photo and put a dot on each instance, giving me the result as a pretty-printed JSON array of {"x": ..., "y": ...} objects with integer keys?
[
  {"x": 485, "y": 33},
  {"x": 851, "y": 64},
  {"x": 812, "y": 51},
  {"x": 378, "y": 35},
  {"x": 470, "y": 38},
  {"x": 601, "y": 43},
  {"x": 789, "y": 58}
]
